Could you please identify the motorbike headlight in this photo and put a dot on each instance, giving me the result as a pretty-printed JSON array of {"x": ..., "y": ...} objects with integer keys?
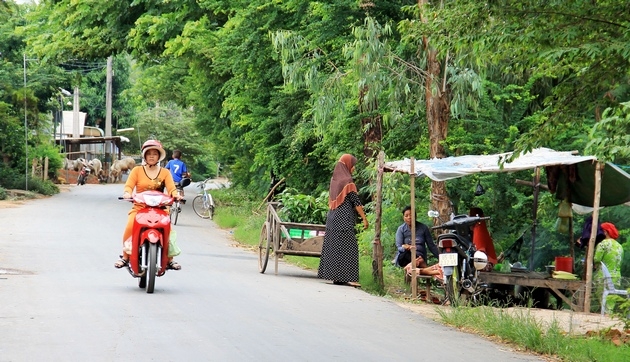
[
  {"x": 153, "y": 200},
  {"x": 480, "y": 260}
]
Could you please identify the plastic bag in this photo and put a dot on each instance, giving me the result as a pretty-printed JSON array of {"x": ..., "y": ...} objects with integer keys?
[
  {"x": 173, "y": 248},
  {"x": 565, "y": 209},
  {"x": 562, "y": 225}
]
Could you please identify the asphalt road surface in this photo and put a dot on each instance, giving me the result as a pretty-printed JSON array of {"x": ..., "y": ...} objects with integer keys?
[{"x": 62, "y": 300}]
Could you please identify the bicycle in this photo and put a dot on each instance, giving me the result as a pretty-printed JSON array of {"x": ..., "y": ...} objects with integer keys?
[
  {"x": 176, "y": 206},
  {"x": 203, "y": 204}
]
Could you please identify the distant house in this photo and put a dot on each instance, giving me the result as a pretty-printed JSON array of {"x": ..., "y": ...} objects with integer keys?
[{"x": 91, "y": 142}]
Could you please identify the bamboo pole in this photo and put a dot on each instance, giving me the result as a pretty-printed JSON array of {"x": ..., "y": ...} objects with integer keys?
[
  {"x": 534, "y": 218},
  {"x": 45, "y": 171},
  {"x": 414, "y": 271},
  {"x": 591, "y": 240},
  {"x": 377, "y": 247}
]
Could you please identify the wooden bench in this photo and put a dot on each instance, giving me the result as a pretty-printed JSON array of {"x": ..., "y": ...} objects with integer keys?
[{"x": 426, "y": 279}]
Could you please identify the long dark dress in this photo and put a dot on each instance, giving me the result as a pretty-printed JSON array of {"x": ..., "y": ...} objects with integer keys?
[{"x": 340, "y": 251}]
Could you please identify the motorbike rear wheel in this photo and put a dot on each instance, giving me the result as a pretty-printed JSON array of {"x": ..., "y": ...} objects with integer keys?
[
  {"x": 152, "y": 267},
  {"x": 142, "y": 281},
  {"x": 452, "y": 291}
]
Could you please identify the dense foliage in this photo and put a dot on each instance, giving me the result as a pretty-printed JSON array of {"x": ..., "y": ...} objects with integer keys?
[{"x": 250, "y": 89}]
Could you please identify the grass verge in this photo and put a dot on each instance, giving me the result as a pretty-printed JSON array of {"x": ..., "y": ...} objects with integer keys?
[{"x": 529, "y": 334}]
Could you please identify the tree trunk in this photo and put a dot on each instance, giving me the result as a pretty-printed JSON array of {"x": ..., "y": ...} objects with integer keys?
[
  {"x": 372, "y": 126},
  {"x": 438, "y": 113}
]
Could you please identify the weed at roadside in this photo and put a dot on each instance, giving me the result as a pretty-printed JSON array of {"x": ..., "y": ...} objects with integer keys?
[{"x": 525, "y": 331}]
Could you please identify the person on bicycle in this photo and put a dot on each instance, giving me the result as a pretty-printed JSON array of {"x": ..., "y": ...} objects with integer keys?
[
  {"x": 148, "y": 176},
  {"x": 178, "y": 169}
]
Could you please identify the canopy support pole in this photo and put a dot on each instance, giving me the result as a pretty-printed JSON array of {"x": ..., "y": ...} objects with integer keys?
[
  {"x": 377, "y": 247},
  {"x": 414, "y": 270},
  {"x": 534, "y": 217},
  {"x": 591, "y": 240}
]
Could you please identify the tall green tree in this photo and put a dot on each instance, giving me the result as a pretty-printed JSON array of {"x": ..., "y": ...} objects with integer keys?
[{"x": 576, "y": 52}]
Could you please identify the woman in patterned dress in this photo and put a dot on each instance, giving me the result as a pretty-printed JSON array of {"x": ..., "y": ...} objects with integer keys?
[{"x": 339, "y": 260}]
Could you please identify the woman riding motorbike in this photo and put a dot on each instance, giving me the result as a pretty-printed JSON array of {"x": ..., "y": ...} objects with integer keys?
[{"x": 148, "y": 176}]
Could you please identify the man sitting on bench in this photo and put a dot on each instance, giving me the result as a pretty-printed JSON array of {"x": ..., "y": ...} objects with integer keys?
[{"x": 423, "y": 240}]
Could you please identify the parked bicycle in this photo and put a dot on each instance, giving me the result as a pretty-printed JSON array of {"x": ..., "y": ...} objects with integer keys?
[
  {"x": 203, "y": 204},
  {"x": 176, "y": 207}
]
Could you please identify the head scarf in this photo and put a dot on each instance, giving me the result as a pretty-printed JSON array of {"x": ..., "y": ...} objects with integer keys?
[
  {"x": 341, "y": 182},
  {"x": 611, "y": 230}
]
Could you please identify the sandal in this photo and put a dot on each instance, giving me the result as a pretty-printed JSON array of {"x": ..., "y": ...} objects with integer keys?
[
  {"x": 173, "y": 265},
  {"x": 121, "y": 263},
  {"x": 350, "y": 284}
]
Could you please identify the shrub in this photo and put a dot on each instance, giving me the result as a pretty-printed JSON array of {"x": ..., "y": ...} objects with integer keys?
[
  {"x": 303, "y": 208},
  {"x": 3, "y": 194},
  {"x": 42, "y": 187}
]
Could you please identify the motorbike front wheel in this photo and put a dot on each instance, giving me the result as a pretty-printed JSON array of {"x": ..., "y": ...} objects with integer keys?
[
  {"x": 152, "y": 267},
  {"x": 80, "y": 180}
]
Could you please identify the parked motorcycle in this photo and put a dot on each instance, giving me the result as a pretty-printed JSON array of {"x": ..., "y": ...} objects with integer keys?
[
  {"x": 459, "y": 259},
  {"x": 150, "y": 238},
  {"x": 83, "y": 175}
]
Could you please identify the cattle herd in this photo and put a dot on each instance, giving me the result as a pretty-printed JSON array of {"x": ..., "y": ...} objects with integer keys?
[{"x": 116, "y": 170}]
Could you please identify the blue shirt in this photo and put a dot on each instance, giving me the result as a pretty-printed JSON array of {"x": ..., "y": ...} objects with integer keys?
[
  {"x": 423, "y": 239},
  {"x": 177, "y": 168}
]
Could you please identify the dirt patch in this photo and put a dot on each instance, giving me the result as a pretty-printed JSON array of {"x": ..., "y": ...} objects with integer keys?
[
  {"x": 70, "y": 177},
  {"x": 17, "y": 198}
]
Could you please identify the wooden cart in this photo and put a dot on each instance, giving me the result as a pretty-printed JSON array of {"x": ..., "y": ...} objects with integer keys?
[{"x": 276, "y": 239}]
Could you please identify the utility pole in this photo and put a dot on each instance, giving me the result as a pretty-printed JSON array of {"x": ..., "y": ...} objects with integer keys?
[
  {"x": 25, "y": 132},
  {"x": 25, "y": 128},
  {"x": 108, "y": 110},
  {"x": 76, "y": 130}
]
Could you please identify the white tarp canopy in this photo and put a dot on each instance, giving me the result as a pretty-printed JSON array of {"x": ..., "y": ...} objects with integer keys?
[
  {"x": 453, "y": 167},
  {"x": 579, "y": 190}
]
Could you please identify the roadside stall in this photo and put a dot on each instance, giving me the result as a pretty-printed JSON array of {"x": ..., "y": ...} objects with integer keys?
[{"x": 581, "y": 179}]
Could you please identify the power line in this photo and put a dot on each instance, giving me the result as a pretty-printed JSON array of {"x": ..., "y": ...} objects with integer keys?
[{"x": 76, "y": 65}]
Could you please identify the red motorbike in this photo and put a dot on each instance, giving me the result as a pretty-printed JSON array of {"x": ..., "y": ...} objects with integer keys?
[
  {"x": 150, "y": 237},
  {"x": 83, "y": 175}
]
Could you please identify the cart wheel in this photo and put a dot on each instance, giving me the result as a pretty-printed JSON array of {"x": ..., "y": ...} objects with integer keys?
[{"x": 263, "y": 247}]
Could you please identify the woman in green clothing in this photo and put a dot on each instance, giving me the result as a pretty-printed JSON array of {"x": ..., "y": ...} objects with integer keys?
[{"x": 610, "y": 252}]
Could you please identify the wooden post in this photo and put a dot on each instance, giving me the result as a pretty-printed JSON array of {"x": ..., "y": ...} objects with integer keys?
[
  {"x": 534, "y": 218},
  {"x": 33, "y": 167},
  {"x": 414, "y": 271},
  {"x": 377, "y": 247},
  {"x": 45, "y": 171},
  {"x": 591, "y": 241}
]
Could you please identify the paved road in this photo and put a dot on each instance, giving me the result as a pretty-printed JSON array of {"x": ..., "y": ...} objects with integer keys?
[{"x": 62, "y": 300}]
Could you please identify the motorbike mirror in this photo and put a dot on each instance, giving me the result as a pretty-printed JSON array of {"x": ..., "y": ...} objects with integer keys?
[
  {"x": 433, "y": 213},
  {"x": 185, "y": 182}
]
